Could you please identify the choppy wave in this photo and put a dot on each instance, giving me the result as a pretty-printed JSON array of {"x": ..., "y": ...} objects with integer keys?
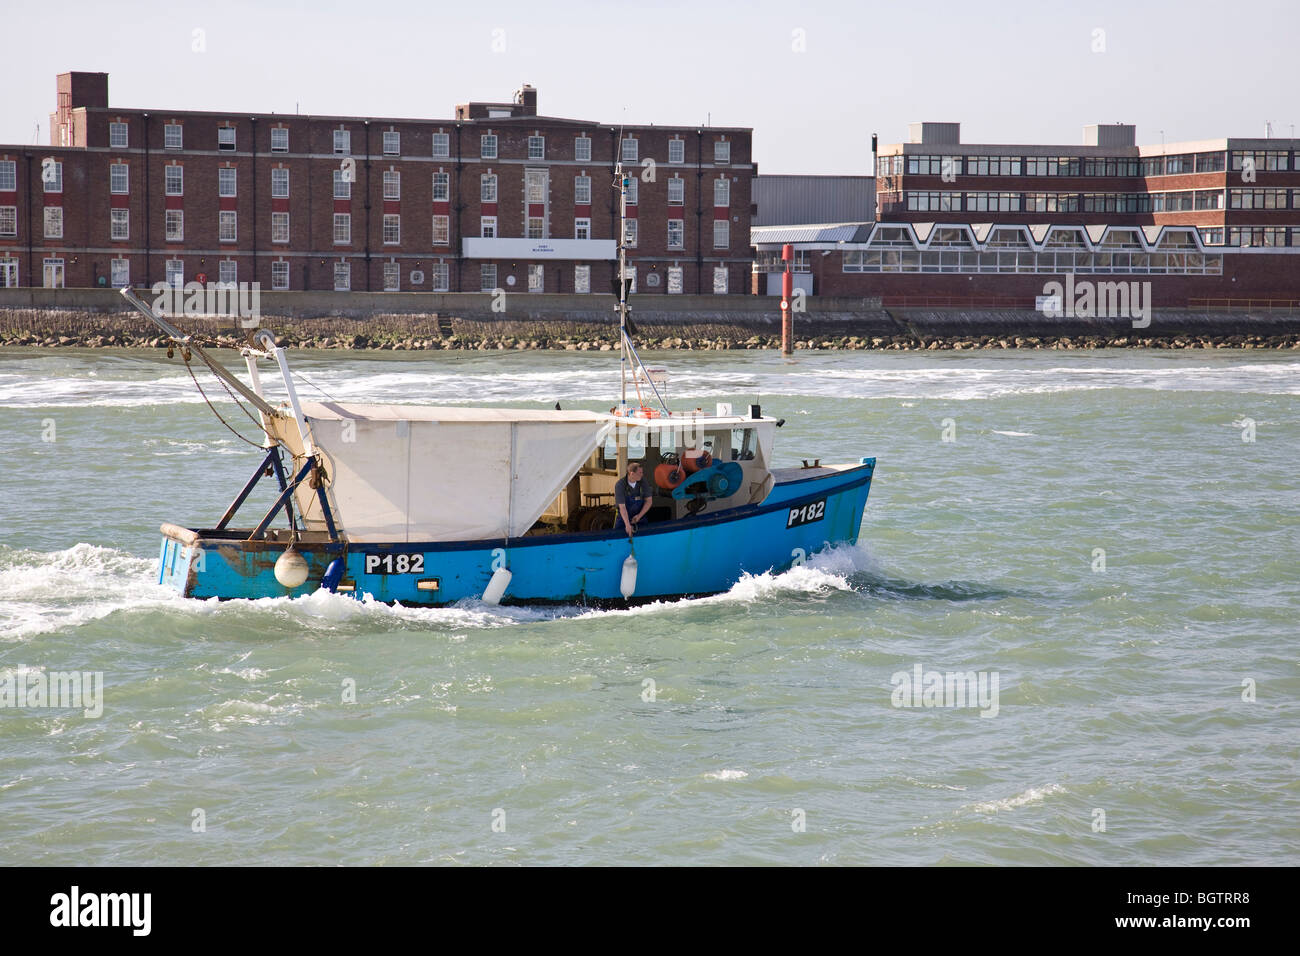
[{"x": 1030, "y": 797}]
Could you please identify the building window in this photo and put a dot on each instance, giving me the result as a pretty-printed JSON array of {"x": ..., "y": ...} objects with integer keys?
[
  {"x": 629, "y": 233},
  {"x": 676, "y": 234},
  {"x": 719, "y": 280},
  {"x": 119, "y": 225},
  {"x": 173, "y": 136},
  {"x": 8, "y": 176},
  {"x": 392, "y": 184},
  {"x": 722, "y": 151},
  {"x": 342, "y": 277},
  {"x": 342, "y": 228},
  {"x": 52, "y": 176},
  {"x": 119, "y": 273},
  {"x": 487, "y": 188},
  {"x": 117, "y": 135},
  {"x": 631, "y": 280},
  {"x": 175, "y": 221},
  {"x": 175, "y": 272},
  {"x": 227, "y": 225},
  {"x": 441, "y": 230},
  {"x": 118, "y": 179},
  {"x": 722, "y": 192},
  {"x": 582, "y": 229},
  {"x": 441, "y": 187},
  {"x": 53, "y": 222},
  {"x": 487, "y": 277},
  {"x": 676, "y": 191},
  {"x": 392, "y": 229},
  {"x": 279, "y": 227},
  {"x": 226, "y": 182},
  {"x": 279, "y": 183},
  {"x": 536, "y": 227},
  {"x": 535, "y": 185},
  {"x": 674, "y": 280},
  {"x": 582, "y": 190},
  {"x": 342, "y": 142},
  {"x": 392, "y": 276},
  {"x": 53, "y": 273},
  {"x": 677, "y": 151},
  {"x": 228, "y": 272},
  {"x": 582, "y": 149},
  {"x": 721, "y": 234},
  {"x": 279, "y": 275},
  {"x": 174, "y": 180},
  {"x": 487, "y": 146},
  {"x": 226, "y": 138},
  {"x": 441, "y": 146},
  {"x": 631, "y": 150},
  {"x": 537, "y": 147},
  {"x": 438, "y": 277},
  {"x": 392, "y": 142},
  {"x": 488, "y": 227},
  {"x": 633, "y": 190},
  {"x": 280, "y": 144},
  {"x": 536, "y": 277},
  {"x": 582, "y": 279},
  {"x": 9, "y": 221},
  {"x": 342, "y": 188}
]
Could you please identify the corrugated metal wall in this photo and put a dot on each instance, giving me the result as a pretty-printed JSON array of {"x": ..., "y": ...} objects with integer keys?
[{"x": 787, "y": 200}]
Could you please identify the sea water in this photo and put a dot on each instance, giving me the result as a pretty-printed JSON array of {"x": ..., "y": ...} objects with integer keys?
[{"x": 1067, "y": 635}]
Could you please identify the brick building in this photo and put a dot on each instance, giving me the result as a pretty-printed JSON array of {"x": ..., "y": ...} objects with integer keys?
[
  {"x": 1205, "y": 222},
  {"x": 498, "y": 197}
]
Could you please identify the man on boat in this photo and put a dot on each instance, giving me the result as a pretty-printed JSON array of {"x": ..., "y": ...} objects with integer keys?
[{"x": 633, "y": 495}]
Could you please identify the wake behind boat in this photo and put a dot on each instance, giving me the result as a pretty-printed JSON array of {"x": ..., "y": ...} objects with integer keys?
[{"x": 434, "y": 505}]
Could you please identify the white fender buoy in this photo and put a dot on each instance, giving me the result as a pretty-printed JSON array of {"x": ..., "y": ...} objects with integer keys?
[
  {"x": 497, "y": 586},
  {"x": 628, "y": 582},
  {"x": 291, "y": 569}
]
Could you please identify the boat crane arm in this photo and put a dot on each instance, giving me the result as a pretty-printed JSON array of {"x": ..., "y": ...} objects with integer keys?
[{"x": 180, "y": 338}]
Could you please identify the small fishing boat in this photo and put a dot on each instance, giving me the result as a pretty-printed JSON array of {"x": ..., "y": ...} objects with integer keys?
[{"x": 434, "y": 505}]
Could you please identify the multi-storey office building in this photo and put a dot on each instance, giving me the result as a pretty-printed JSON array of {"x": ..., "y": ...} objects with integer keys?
[
  {"x": 497, "y": 197},
  {"x": 1211, "y": 220}
]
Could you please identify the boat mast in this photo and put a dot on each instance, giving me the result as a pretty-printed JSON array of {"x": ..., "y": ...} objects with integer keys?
[{"x": 624, "y": 358}]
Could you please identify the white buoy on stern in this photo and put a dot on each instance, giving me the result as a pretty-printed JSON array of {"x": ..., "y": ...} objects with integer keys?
[
  {"x": 497, "y": 586},
  {"x": 291, "y": 569},
  {"x": 627, "y": 585}
]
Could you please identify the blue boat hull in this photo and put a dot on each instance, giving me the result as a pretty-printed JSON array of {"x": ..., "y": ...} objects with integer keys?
[{"x": 694, "y": 556}]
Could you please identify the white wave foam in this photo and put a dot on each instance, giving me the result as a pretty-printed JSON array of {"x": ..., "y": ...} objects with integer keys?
[
  {"x": 726, "y": 775},
  {"x": 1031, "y": 796},
  {"x": 1014, "y": 434}
]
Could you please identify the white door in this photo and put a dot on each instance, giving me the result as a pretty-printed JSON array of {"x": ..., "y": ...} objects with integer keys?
[
  {"x": 53, "y": 273},
  {"x": 536, "y": 278},
  {"x": 8, "y": 273}
]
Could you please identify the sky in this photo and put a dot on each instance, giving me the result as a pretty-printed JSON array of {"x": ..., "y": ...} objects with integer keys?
[{"x": 814, "y": 80}]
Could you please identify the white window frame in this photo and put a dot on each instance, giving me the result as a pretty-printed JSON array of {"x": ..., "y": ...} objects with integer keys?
[
  {"x": 226, "y": 139},
  {"x": 630, "y": 230},
  {"x": 280, "y": 133},
  {"x": 342, "y": 142},
  {"x": 680, "y": 225},
  {"x": 227, "y": 225},
  {"x": 119, "y": 272},
  {"x": 8, "y": 175},
  {"x": 9, "y": 222},
  {"x": 720, "y": 280},
  {"x": 439, "y": 277},
  {"x": 56, "y": 184},
  {"x": 536, "y": 277},
  {"x": 724, "y": 233},
  {"x": 676, "y": 185},
  {"x": 582, "y": 228},
  {"x": 443, "y": 228},
  {"x": 487, "y": 277},
  {"x": 392, "y": 277},
  {"x": 582, "y": 149},
  {"x": 676, "y": 280},
  {"x": 280, "y": 182},
  {"x": 392, "y": 229},
  {"x": 487, "y": 146},
  {"x": 116, "y": 172},
  {"x": 342, "y": 188},
  {"x": 279, "y": 275},
  {"x": 537, "y": 147},
  {"x": 582, "y": 279},
  {"x": 392, "y": 142},
  {"x": 722, "y": 193},
  {"x": 441, "y": 146},
  {"x": 343, "y": 229},
  {"x": 57, "y": 264},
  {"x": 722, "y": 152},
  {"x": 176, "y": 175},
  {"x": 442, "y": 187},
  {"x": 119, "y": 226},
  {"x": 582, "y": 190},
  {"x": 535, "y": 228},
  {"x": 342, "y": 277},
  {"x": 392, "y": 184},
  {"x": 227, "y": 182},
  {"x": 174, "y": 269},
  {"x": 677, "y": 151},
  {"x": 633, "y": 191},
  {"x": 174, "y": 224},
  {"x": 228, "y": 272},
  {"x": 487, "y": 226},
  {"x": 487, "y": 187},
  {"x": 173, "y": 136},
  {"x": 53, "y": 222},
  {"x": 279, "y": 227},
  {"x": 118, "y": 135},
  {"x": 630, "y": 149}
]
